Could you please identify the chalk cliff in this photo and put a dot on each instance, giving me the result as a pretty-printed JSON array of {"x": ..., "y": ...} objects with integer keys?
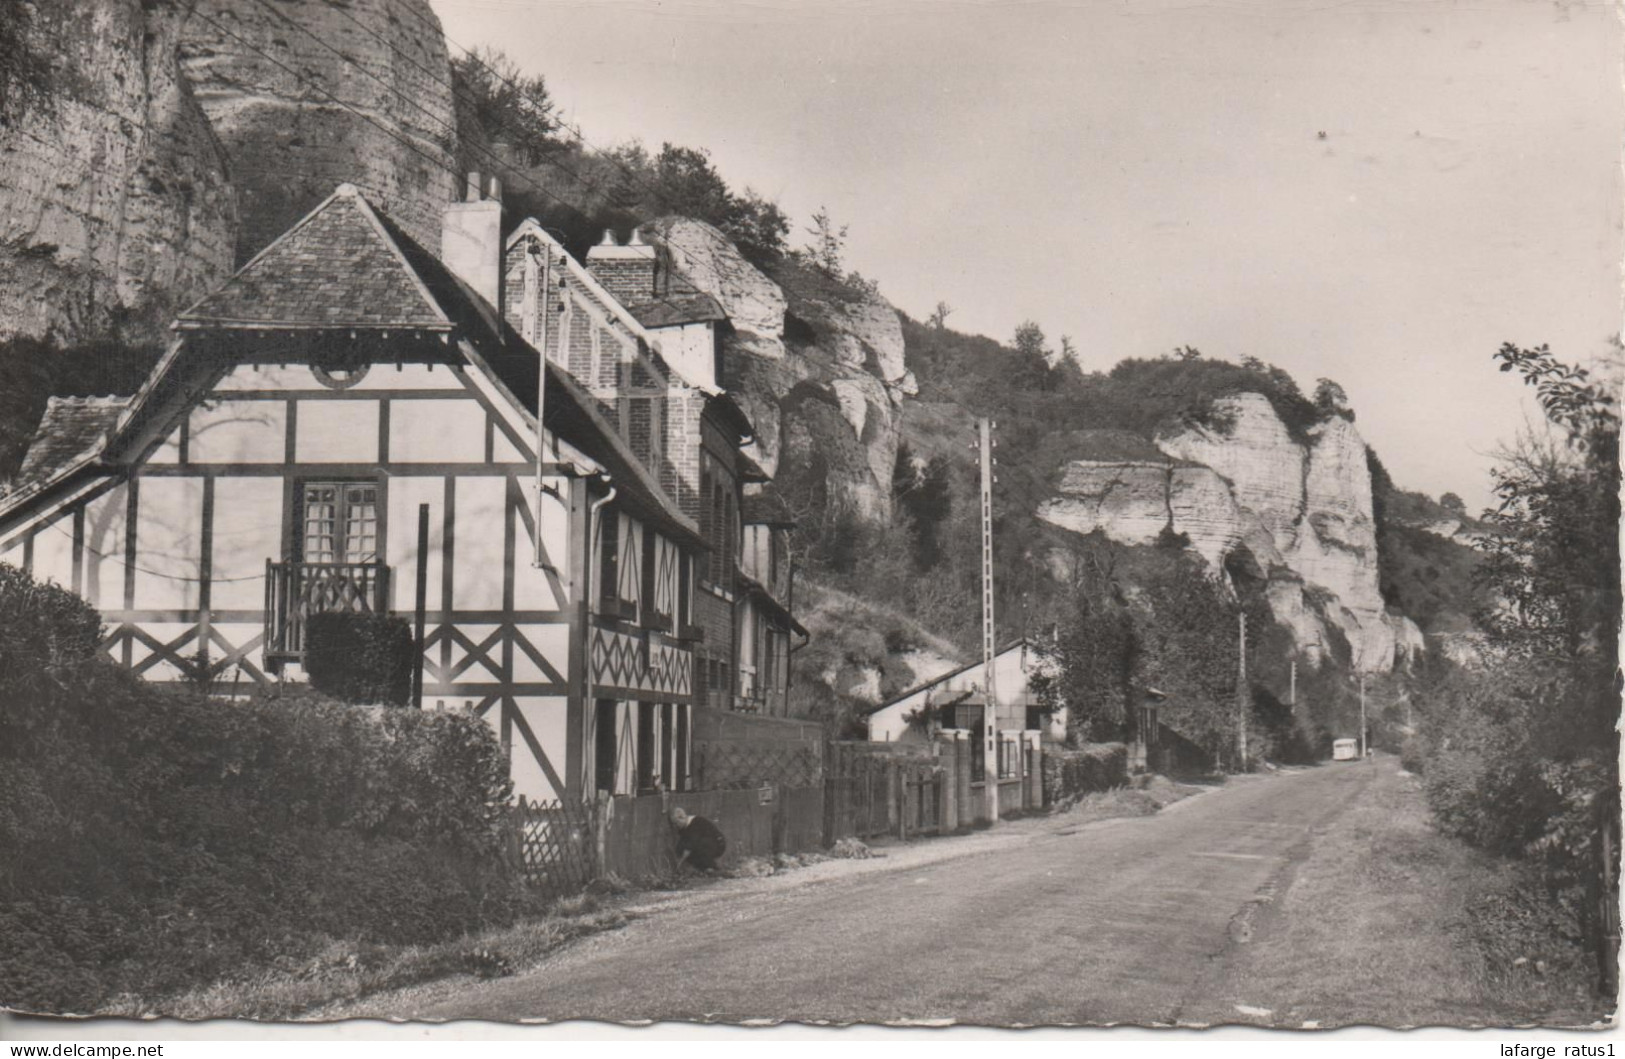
[
  {"x": 115, "y": 208},
  {"x": 309, "y": 94},
  {"x": 818, "y": 367},
  {"x": 1297, "y": 514}
]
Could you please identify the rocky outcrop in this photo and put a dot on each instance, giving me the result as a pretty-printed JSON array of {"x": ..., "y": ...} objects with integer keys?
[
  {"x": 1295, "y": 514},
  {"x": 309, "y": 94},
  {"x": 115, "y": 208},
  {"x": 817, "y": 366},
  {"x": 1137, "y": 501}
]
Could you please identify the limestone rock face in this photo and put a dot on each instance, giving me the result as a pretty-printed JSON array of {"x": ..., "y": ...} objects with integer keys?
[
  {"x": 1133, "y": 501},
  {"x": 708, "y": 260},
  {"x": 1296, "y": 515},
  {"x": 1314, "y": 501},
  {"x": 115, "y": 209},
  {"x": 820, "y": 371},
  {"x": 308, "y": 94}
]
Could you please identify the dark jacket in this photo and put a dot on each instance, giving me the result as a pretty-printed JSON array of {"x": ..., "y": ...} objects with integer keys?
[{"x": 702, "y": 842}]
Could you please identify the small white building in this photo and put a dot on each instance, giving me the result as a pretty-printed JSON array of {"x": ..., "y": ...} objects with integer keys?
[{"x": 956, "y": 699}]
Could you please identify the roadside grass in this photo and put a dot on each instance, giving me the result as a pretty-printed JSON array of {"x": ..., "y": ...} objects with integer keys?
[
  {"x": 346, "y": 970},
  {"x": 1389, "y": 923},
  {"x": 1154, "y": 795},
  {"x": 327, "y": 980}
]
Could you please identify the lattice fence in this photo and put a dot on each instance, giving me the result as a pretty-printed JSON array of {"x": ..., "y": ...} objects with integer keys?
[
  {"x": 553, "y": 843},
  {"x": 720, "y": 766}
]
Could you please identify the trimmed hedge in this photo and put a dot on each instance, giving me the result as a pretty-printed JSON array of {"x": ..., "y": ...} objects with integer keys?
[
  {"x": 1094, "y": 767},
  {"x": 363, "y": 658},
  {"x": 152, "y": 839}
]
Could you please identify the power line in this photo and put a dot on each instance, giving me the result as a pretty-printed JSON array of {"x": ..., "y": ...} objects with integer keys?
[{"x": 57, "y": 525}]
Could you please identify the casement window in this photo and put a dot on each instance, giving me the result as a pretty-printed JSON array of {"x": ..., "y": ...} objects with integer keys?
[{"x": 339, "y": 522}]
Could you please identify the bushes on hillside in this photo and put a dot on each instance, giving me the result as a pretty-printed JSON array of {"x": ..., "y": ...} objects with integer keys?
[
  {"x": 1073, "y": 773},
  {"x": 152, "y": 838}
]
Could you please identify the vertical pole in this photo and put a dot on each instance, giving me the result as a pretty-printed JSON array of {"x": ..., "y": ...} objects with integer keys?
[
  {"x": 1292, "y": 695},
  {"x": 420, "y": 604},
  {"x": 1241, "y": 694},
  {"x": 990, "y": 734},
  {"x": 537, "y": 295},
  {"x": 1362, "y": 716}
]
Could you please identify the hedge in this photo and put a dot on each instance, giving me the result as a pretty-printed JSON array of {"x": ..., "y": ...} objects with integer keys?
[
  {"x": 152, "y": 839},
  {"x": 364, "y": 658},
  {"x": 1094, "y": 767}
]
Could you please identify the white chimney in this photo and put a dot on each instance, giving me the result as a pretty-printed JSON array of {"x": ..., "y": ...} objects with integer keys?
[{"x": 471, "y": 239}]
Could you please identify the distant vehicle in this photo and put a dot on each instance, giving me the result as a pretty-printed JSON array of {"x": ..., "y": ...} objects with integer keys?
[{"x": 1345, "y": 749}]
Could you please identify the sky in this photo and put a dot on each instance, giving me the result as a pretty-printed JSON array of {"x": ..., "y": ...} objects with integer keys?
[{"x": 1376, "y": 191}]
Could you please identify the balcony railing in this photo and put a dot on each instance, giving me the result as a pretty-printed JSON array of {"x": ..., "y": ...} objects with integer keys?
[{"x": 295, "y": 590}]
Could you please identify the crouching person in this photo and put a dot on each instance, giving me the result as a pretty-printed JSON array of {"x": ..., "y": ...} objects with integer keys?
[{"x": 699, "y": 843}]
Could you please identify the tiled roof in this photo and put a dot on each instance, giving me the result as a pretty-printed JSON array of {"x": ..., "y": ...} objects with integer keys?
[
  {"x": 336, "y": 268},
  {"x": 71, "y": 429},
  {"x": 674, "y": 309}
]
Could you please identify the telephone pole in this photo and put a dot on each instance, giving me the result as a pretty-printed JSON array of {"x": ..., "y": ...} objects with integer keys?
[
  {"x": 990, "y": 733},
  {"x": 1241, "y": 691},
  {"x": 1362, "y": 717}
]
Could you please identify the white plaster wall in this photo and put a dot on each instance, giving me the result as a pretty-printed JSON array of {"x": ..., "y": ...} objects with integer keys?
[
  {"x": 547, "y": 718},
  {"x": 53, "y": 552},
  {"x": 338, "y": 432},
  {"x": 405, "y": 494},
  {"x": 169, "y": 522},
  {"x": 552, "y": 642},
  {"x": 436, "y": 430},
  {"x": 247, "y": 531},
  {"x": 104, "y": 549},
  {"x": 238, "y": 432},
  {"x": 691, "y": 350},
  {"x": 477, "y": 566},
  {"x": 532, "y": 591}
]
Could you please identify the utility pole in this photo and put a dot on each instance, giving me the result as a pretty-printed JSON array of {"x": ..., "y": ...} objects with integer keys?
[
  {"x": 990, "y": 734},
  {"x": 1362, "y": 718},
  {"x": 1241, "y": 692}
]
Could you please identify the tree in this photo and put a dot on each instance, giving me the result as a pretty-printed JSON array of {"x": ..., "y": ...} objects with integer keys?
[
  {"x": 939, "y": 316},
  {"x": 1331, "y": 400},
  {"x": 1523, "y": 758},
  {"x": 1030, "y": 341},
  {"x": 1069, "y": 351},
  {"x": 1187, "y": 353},
  {"x": 827, "y": 250},
  {"x": 509, "y": 106},
  {"x": 1454, "y": 503}
]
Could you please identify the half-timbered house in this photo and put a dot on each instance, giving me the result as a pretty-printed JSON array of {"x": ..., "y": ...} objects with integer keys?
[{"x": 347, "y": 395}]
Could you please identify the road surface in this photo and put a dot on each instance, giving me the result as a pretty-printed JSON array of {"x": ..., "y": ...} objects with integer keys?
[{"x": 1129, "y": 920}]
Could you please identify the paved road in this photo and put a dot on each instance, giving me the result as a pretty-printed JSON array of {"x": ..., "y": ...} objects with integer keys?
[{"x": 1120, "y": 921}]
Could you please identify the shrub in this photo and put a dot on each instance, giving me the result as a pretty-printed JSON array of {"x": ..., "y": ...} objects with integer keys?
[
  {"x": 152, "y": 838},
  {"x": 363, "y": 658},
  {"x": 1095, "y": 767}
]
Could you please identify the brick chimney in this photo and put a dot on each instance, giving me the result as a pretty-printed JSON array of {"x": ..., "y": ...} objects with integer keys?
[
  {"x": 471, "y": 238},
  {"x": 628, "y": 272}
]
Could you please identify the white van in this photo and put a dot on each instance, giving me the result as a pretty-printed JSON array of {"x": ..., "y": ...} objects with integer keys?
[{"x": 1345, "y": 749}]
